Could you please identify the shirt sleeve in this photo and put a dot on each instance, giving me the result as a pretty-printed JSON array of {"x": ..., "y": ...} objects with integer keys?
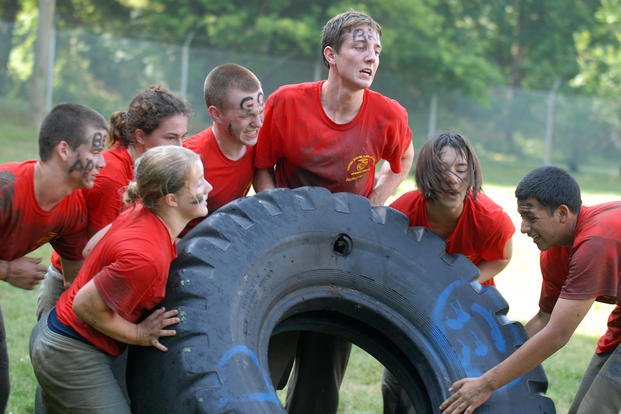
[
  {"x": 501, "y": 232},
  {"x": 398, "y": 143},
  {"x": 104, "y": 202},
  {"x": 123, "y": 283},
  {"x": 267, "y": 148}
]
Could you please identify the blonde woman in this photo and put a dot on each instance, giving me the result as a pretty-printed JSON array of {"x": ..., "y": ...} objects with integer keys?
[{"x": 73, "y": 346}]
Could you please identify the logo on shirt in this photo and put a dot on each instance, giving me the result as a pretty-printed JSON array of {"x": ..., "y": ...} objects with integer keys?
[{"x": 359, "y": 167}]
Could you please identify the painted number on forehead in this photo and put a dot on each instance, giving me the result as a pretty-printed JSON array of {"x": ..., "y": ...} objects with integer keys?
[
  {"x": 97, "y": 142},
  {"x": 363, "y": 35},
  {"x": 248, "y": 102}
]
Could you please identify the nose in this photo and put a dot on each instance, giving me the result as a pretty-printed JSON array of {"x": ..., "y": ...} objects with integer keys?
[
  {"x": 371, "y": 56},
  {"x": 208, "y": 187},
  {"x": 524, "y": 227},
  {"x": 257, "y": 121},
  {"x": 101, "y": 162}
]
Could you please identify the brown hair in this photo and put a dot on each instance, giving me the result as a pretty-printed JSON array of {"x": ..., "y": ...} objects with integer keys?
[
  {"x": 146, "y": 111},
  {"x": 67, "y": 122},
  {"x": 224, "y": 77},
  {"x": 333, "y": 33},
  {"x": 159, "y": 171},
  {"x": 431, "y": 172}
]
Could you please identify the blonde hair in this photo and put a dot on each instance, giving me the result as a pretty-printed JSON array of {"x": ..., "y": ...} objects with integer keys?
[{"x": 159, "y": 171}]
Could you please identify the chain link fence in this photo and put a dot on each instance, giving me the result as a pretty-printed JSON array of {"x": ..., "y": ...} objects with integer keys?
[{"x": 516, "y": 127}]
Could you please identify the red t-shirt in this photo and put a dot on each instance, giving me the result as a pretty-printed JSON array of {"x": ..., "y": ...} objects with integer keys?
[
  {"x": 591, "y": 268},
  {"x": 129, "y": 266},
  {"x": 308, "y": 148},
  {"x": 230, "y": 179},
  {"x": 482, "y": 230},
  {"x": 105, "y": 200},
  {"x": 24, "y": 226}
]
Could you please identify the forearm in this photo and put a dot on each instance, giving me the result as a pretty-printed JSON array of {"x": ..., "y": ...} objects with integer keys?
[
  {"x": 537, "y": 323},
  {"x": 387, "y": 183},
  {"x": 487, "y": 270},
  {"x": 107, "y": 322},
  {"x": 89, "y": 306},
  {"x": 263, "y": 179},
  {"x": 532, "y": 353}
]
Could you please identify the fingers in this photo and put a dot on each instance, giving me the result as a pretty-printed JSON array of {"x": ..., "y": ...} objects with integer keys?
[{"x": 157, "y": 344}]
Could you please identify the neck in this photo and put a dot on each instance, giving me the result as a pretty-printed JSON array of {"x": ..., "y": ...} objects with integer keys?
[
  {"x": 135, "y": 150},
  {"x": 340, "y": 103},
  {"x": 230, "y": 147},
  {"x": 171, "y": 220},
  {"x": 50, "y": 184},
  {"x": 441, "y": 218}
]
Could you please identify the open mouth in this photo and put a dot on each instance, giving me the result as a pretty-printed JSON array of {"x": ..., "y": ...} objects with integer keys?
[{"x": 368, "y": 72}]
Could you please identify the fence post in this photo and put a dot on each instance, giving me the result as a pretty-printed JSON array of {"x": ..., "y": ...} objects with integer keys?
[
  {"x": 185, "y": 63},
  {"x": 44, "y": 61},
  {"x": 547, "y": 158}
]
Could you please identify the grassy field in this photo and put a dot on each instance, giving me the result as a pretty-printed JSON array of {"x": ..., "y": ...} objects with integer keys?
[{"x": 519, "y": 284}]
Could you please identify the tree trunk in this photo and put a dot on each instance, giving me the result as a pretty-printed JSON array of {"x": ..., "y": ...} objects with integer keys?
[{"x": 8, "y": 11}]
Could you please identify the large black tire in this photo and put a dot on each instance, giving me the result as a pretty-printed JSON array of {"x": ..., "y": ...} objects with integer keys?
[{"x": 306, "y": 259}]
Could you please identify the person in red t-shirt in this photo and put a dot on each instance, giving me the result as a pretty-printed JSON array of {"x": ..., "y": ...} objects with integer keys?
[
  {"x": 123, "y": 276},
  {"x": 234, "y": 101},
  {"x": 155, "y": 117},
  {"x": 333, "y": 134},
  {"x": 580, "y": 264},
  {"x": 39, "y": 202},
  {"x": 449, "y": 201}
]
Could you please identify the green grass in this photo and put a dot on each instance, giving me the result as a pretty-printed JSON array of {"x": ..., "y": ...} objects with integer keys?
[{"x": 361, "y": 389}]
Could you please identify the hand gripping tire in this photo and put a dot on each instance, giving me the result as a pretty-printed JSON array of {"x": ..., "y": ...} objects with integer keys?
[{"x": 307, "y": 259}]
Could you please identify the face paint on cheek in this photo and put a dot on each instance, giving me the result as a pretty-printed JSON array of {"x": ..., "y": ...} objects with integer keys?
[
  {"x": 84, "y": 168},
  {"x": 198, "y": 199}
]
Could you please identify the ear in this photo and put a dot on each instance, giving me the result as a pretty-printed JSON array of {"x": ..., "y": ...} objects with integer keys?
[
  {"x": 171, "y": 200},
  {"x": 563, "y": 213},
  {"x": 63, "y": 150},
  {"x": 139, "y": 136},
  {"x": 329, "y": 54},
  {"x": 214, "y": 113}
]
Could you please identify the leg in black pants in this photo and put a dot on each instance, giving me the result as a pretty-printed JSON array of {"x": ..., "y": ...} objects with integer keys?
[
  {"x": 320, "y": 364},
  {"x": 5, "y": 385}
]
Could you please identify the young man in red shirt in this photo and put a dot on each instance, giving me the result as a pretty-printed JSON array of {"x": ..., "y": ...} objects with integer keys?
[
  {"x": 332, "y": 134},
  {"x": 155, "y": 117},
  {"x": 449, "y": 201},
  {"x": 39, "y": 204},
  {"x": 580, "y": 263},
  {"x": 235, "y": 102}
]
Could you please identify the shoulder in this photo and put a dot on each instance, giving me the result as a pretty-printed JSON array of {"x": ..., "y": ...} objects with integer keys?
[
  {"x": 385, "y": 103},
  {"x": 601, "y": 220},
  {"x": 409, "y": 201},
  {"x": 13, "y": 169},
  {"x": 199, "y": 139},
  {"x": 296, "y": 90},
  {"x": 488, "y": 213}
]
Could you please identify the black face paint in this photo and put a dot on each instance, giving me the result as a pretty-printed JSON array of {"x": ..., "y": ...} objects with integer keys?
[
  {"x": 198, "y": 198},
  {"x": 245, "y": 105},
  {"x": 260, "y": 98},
  {"x": 97, "y": 143},
  {"x": 359, "y": 35}
]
